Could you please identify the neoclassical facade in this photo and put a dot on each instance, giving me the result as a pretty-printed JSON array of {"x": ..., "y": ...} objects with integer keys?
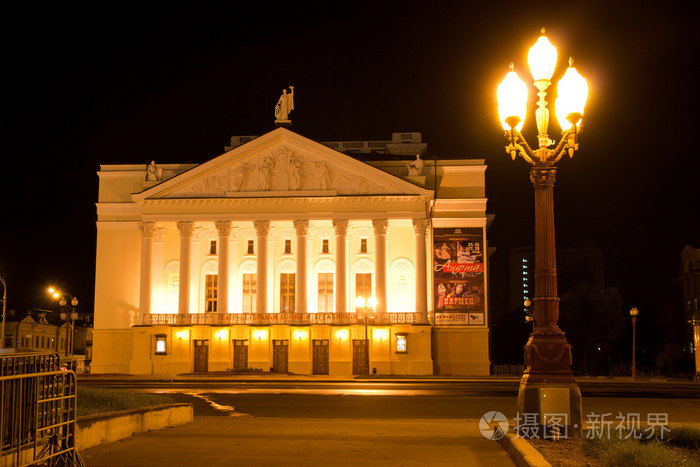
[{"x": 256, "y": 258}]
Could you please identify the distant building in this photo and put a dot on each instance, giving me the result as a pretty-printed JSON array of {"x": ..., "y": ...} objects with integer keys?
[
  {"x": 255, "y": 258},
  {"x": 690, "y": 290},
  {"x": 44, "y": 330},
  {"x": 582, "y": 263}
]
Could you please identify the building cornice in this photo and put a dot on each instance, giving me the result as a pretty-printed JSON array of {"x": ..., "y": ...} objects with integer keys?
[{"x": 447, "y": 205}]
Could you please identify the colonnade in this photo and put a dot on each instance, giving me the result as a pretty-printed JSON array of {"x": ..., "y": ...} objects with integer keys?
[{"x": 224, "y": 229}]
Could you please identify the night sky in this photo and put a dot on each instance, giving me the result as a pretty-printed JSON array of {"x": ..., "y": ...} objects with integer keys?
[{"x": 85, "y": 84}]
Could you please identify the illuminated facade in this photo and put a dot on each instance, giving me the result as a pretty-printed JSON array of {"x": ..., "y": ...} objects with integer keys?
[{"x": 255, "y": 259}]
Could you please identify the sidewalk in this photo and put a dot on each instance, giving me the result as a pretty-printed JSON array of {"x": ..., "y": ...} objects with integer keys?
[{"x": 226, "y": 441}]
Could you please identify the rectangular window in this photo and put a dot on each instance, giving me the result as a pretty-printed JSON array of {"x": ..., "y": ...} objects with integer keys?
[
  {"x": 251, "y": 247},
  {"x": 250, "y": 289},
  {"x": 160, "y": 344},
  {"x": 287, "y": 247},
  {"x": 363, "y": 285},
  {"x": 363, "y": 245},
  {"x": 287, "y": 292},
  {"x": 325, "y": 292},
  {"x": 211, "y": 292},
  {"x": 325, "y": 248},
  {"x": 212, "y": 247}
]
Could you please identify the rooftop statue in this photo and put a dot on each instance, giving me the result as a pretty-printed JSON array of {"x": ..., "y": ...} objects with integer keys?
[
  {"x": 153, "y": 172},
  {"x": 415, "y": 167},
  {"x": 285, "y": 104}
]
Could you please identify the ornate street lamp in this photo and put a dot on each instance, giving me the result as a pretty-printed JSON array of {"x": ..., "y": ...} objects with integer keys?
[
  {"x": 366, "y": 308},
  {"x": 69, "y": 315},
  {"x": 633, "y": 313},
  {"x": 548, "y": 383}
]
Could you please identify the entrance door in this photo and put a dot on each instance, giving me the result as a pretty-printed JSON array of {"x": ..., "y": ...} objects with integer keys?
[
  {"x": 320, "y": 357},
  {"x": 360, "y": 362},
  {"x": 280, "y": 356},
  {"x": 240, "y": 354},
  {"x": 201, "y": 356}
]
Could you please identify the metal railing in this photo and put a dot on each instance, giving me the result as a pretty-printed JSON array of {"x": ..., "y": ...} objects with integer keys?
[
  {"x": 38, "y": 411},
  {"x": 261, "y": 319}
]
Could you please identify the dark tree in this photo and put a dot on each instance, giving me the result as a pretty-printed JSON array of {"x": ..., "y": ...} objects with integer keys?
[{"x": 593, "y": 320}]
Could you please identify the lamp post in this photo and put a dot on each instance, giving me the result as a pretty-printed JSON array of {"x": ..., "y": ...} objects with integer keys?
[
  {"x": 69, "y": 315},
  {"x": 695, "y": 321},
  {"x": 366, "y": 308},
  {"x": 633, "y": 313},
  {"x": 548, "y": 381},
  {"x": 4, "y": 308}
]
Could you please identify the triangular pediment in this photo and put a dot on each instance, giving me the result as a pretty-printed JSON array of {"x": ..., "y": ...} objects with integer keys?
[{"x": 281, "y": 163}]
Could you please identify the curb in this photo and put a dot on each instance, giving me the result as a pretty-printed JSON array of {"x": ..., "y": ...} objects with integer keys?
[
  {"x": 522, "y": 452},
  {"x": 98, "y": 429}
]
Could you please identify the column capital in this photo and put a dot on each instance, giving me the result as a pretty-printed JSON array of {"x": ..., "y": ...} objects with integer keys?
[
  {"x": 419, "y": 226},
  {"x": 147, "y": 229},
  {"x": 340, "y": 226},
  {"x": 302, "y": 227},
  {"x": 543, "y": 176},
  {"x": 159, "y": 235},
  {"x": 186, "y": 228},
  {"x": 262, "y": 227},
  {"x": 380, "y": 226},
  {"x": 224, "y": 228}
]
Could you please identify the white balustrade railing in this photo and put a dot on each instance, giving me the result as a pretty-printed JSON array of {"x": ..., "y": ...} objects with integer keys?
[{"x": 228, "y": 319}]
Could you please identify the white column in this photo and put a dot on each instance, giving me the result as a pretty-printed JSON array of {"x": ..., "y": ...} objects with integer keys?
[
  {"x": 157, "y": 270},
  {"x": 263, "y": 228},
  {"x": 341, "y": 300},
  {"x": 186, "y": 229},
  {"x": 302, "y": 228},
  {"x": 380, "y": 227},
  {"x": 419, "y": 227},
  {"x": 224, "y": 229},
  {"x": 147, "y": 231}
]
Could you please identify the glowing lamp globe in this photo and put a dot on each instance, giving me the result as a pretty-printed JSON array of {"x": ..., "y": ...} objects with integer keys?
[
  {"x": 512, "y": 101},
  {"x": 572, "y": 91},
  {"x": 542, "y": 59}
]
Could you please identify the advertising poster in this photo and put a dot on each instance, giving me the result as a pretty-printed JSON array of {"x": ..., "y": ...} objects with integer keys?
[{"x": 458, "y": 276}]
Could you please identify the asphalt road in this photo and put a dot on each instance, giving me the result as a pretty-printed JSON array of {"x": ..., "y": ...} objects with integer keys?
[{"x": 680, "y": 402}]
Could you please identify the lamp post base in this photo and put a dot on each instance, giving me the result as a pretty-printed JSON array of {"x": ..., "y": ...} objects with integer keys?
[{"x": 549, "y": 395}]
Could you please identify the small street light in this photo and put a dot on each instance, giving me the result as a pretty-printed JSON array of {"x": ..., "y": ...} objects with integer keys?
[
  {"x": 547, "y": 353},
  {"x": 366, "y": 308},
  {"x": 633, "y": 313},
  {"x": 4, "y": 307}
]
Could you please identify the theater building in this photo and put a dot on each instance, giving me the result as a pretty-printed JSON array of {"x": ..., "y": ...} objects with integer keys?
[{"x": 256, "y": 258}]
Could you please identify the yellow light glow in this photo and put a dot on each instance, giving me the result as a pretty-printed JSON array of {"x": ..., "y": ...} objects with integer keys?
[
  {"x": 380, "y": 335},
  {"x": 260, "y": 334},
  {"x": 359, "y": 302},
  {"x": 372, "y": 301},
  {"x": 572, "y": 92},
  {"x": 183, "y": 335},
  {"x": 301, "y": 334},
  {"x": 221, "y": 335},
  {"x": 341, "y": 334},
  {"x": 512, "y": 100},
  {"x": 542, "y": 59},
  {"x": 51, "y": 290}
]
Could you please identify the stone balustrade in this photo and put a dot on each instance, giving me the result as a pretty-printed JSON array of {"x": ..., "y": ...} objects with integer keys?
[{"x": 258, "y": 319}]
